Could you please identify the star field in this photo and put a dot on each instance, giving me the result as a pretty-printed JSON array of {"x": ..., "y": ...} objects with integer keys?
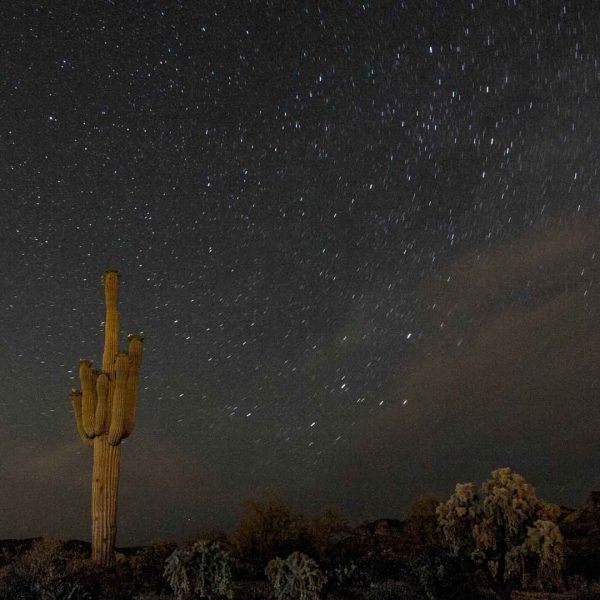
[{"x": 328, "y": 218}]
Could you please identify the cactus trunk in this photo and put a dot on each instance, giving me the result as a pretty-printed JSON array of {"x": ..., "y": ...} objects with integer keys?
[
  {"x": 104, "y": 414},
  {"x": 105, "y": 488}
]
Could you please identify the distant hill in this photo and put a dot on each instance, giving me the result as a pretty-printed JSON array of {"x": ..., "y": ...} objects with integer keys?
[{"x": 581, "y": 528}]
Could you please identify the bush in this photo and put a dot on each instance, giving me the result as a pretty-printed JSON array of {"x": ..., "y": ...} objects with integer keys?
[
  {"x": 53, "y": 570},
  {"x": 43, "y": 572},
  {"x": 390, "y": 590},
  {"x": 439, "y": 575},
  {"x": 298, "y": 577},
  {"x": 344, "y": 577},
  {"x": 147, "y": 567},
  {"x": 251, "y": 590},
  {"x": 203, "y": 571}
]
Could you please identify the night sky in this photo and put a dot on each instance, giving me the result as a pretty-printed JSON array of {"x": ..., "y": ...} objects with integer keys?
[{"x": 361, "y": 239}]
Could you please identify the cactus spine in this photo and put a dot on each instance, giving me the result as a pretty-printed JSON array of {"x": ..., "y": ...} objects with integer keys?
[{"x": 105, "y": 413}]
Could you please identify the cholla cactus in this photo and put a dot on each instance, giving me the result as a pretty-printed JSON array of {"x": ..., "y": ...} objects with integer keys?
[
  {"x": 458, "y": 516},
  {"x": 176, "y": 574},
  {"x": 296, "y": 578},
  {"x": 507, "y": 527},
  {"x": 545, "y": 547},
  {"x": 509, "y": 503},
  {"x": 203, "y": 571}
]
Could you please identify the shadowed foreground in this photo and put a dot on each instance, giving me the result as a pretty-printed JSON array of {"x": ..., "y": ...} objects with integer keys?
[{"x": 442, "y": 550}]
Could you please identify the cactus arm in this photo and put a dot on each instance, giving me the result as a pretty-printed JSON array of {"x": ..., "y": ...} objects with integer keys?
[
  {"x": 75, "y": 396},
  {"x": 101, "y": 424},
  {"x": 88, "y": 404},
  {"x": 117, "y": 418},
  {"x": 135, "y": 359},
  {"x": 95, "y": 373},
  {"x": 111, "y": 323}
]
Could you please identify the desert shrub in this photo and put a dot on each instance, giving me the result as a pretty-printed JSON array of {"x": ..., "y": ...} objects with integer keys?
[
  {"x": 147, "y": 567},
  {"x": 298, "y": 577},
  {"x": 52, "y": 570},
  {"x": 12, "y": 585},
  {"x": 375, "y": 565},
  {"x": 589, "y": 591},
  {"x": 152, "y": 596},
  {"x": 389, "y": 590},
  {"x": 94, "y": 582},
  {"x": 346, "y": 576},
  {"x": 251, "y": 590},
  {"x": 43, "y": 572},
  {"x": 202, "y": 571},
  {"x": 440, "y": 575}
]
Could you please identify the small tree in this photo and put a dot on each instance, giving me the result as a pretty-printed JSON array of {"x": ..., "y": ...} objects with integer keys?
[
  {"x": 324, "y": 533},
  {"x": 298, "y": 577},
  {"x": 266, "y": 530},
  {"x": 420, "y": 526},
  {"x": 203, "y": 571},
  {"x": 506, "y": 527}
]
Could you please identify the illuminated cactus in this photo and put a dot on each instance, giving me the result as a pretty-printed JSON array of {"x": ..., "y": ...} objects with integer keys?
[{"x": 105, "y": 413}]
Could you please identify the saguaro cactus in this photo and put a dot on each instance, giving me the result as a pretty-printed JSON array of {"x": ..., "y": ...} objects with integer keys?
[{"x": 105, "y": 414}]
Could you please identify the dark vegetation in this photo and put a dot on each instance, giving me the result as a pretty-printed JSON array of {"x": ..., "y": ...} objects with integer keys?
[{"x": 440, "y": 551}]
